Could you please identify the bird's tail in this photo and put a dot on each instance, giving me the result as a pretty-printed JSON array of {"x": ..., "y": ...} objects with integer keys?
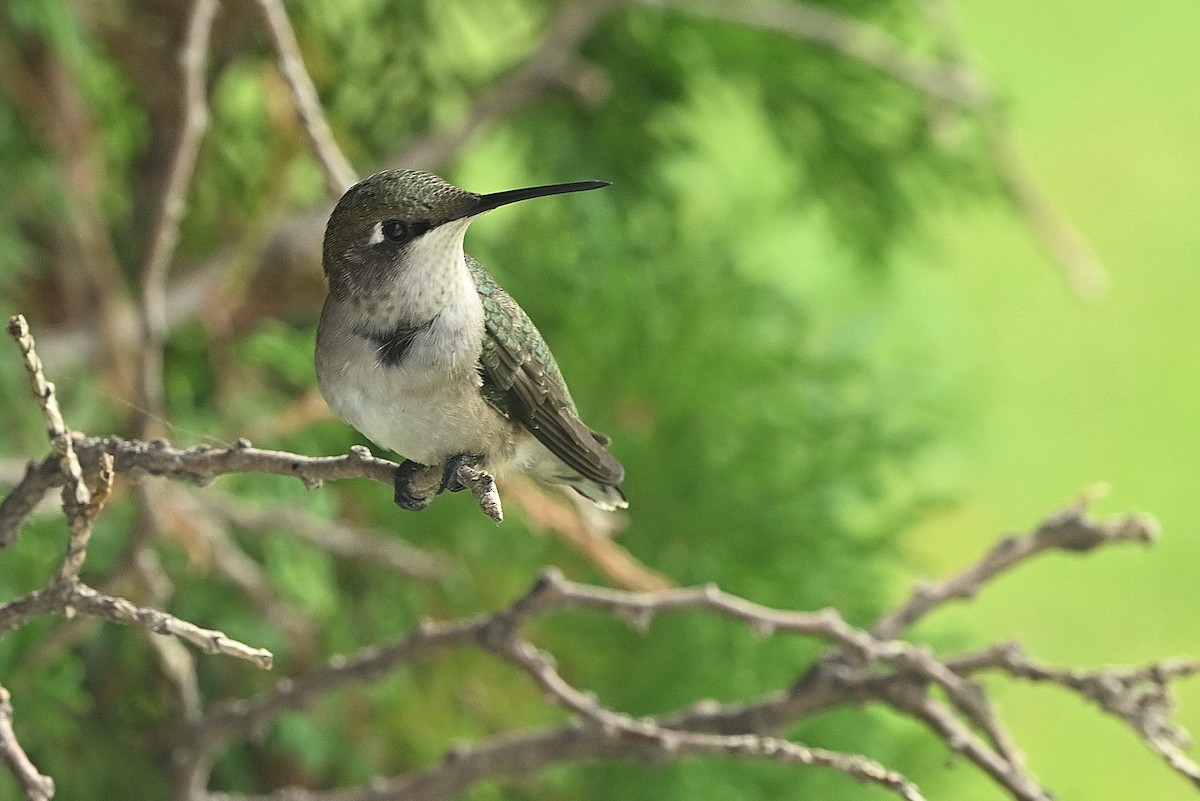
[{"x": 606, "y": 496}]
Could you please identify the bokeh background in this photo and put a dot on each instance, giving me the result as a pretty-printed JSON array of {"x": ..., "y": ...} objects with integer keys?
[
  {"x": 1107, "y": 103},
  {"x": 834, "y": 358}
]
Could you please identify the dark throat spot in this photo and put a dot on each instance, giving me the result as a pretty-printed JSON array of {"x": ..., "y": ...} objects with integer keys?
[{"x": 393, "y": 346}]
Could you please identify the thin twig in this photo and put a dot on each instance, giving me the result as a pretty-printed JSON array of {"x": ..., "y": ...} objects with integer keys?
[
  {"x": 846, "y": 36},
  {"x": 66, "y": 595},
  {"x": 553, "y": 64},
  {"x": 119, "y": 610},
  {"x": 827, "y": 624},
  {"x": 177, "y": 664},
  {"x": 1058, "y": 236},
  {"x": 676, "y": 742},
  {"x": 339, "y": 175},
  {"x": 76, "y": 497},
  {"x": 176, "y": 661},
  {"x": 1062, "y": 241},
  {"x": 193, "y": 62},
  {"x": 178, "y": 667},
  {"x": 1068, "y": 530},
  {"x": 913, "y": 701},
  {"x": 70, "y": 597},
  {"x": 483, "y": 488},
  {"x": 340, "y": 539},
  {"x": 34, "y": 785},
  {"x": 1140, "y": 697},
  {"x": 45, "y": 85},
  {"x": 183, "y": 513},
  {"x": 104, "y": 486},
  {"x": 236, "y": 717},
  {"x": 680, "y": 734},
  {"x": 840, "y": 678},
  {"x": 527, "y": 752},
  {"x": 584, "y": 528},
  {"x": 554, "y": 592},
  {"x": 26, "y": 494}
]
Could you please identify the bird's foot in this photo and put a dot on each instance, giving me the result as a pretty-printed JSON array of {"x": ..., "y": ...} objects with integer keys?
[
  {"x": 450, "y": 479},
  {"x": 412, "y": 493}
]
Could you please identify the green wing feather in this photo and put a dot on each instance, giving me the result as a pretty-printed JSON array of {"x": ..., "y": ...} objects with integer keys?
[{"x": 522, "y": 381}]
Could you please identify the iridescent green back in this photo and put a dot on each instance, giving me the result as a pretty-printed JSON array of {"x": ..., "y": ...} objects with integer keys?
[{"x": 510, "y": 337}]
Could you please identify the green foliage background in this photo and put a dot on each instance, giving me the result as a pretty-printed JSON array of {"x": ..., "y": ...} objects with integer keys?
[
  {"x": 1108, "y": 106},
  {"x": 805, "y": 333}
]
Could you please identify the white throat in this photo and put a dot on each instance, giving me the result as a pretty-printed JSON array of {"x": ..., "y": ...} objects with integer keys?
[
  {"x": 433, "y": 280},
  {"x": 435, "y": 284}
]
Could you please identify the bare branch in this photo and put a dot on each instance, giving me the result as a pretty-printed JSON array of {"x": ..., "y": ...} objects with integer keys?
[
  {"x": 104, "y": 486},
  {"x": 76, "y": 497},
  {"x": 827, "y": 624},
  {"x": 913, "y": 701},
  {"x": 193, "y": 62},
  {"x": 118, "y": 610},
  {"x": 55, "y": 106},
  {"x": 672, "y": 735},
  {"x": 19, "y": 503},
  {"x": 1062, "y": 241},
  {"x": 496, "y": 633},
  {"x": 553, "y": 64},
  {"x": 176, "y": 661},
  {"x": 586, "y": 529},
  {"x": 339, "y": 175},
  {"x": 183, "y": 514},
  {"x": 831, "y": 683},
  {"x": 231, "y": 718},
  {"x": 550, "y": 593},
  {"x": 66, "y": 595},
  {"x": 1068, "y": 530},
  {"x": 69, "y": 597},
  {"x": 555, "y": 592},
  {"x": 178, "y": 666},
  {"x": 202, "y": 464},
  {"x": 1140, "y": 697},
  {"x": 339, "y": 539},
  {"x": 846, "y": 36},
  {"x": 34, "y": 785},
  {"x": 1058, "y": 236},
  {"x": 483, "y": 487},
  {"x": 676, "y": 742}
]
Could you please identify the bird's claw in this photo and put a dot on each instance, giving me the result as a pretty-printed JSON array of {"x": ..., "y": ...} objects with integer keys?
[
  {"x": 408, "y": 496},
  {"x": 450, "y": 479}
]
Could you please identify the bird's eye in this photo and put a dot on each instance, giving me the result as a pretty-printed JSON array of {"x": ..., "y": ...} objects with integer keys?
[{"x": 395, "y": 230}]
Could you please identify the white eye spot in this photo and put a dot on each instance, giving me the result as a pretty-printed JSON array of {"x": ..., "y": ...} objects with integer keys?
[{"x": 376, "y": 234}]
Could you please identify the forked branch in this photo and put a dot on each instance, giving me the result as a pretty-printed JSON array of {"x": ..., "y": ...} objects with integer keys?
[{"x": 861, "y": 665}]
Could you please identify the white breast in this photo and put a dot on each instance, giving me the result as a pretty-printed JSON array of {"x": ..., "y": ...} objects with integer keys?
[{"x": 428, "y": 407}]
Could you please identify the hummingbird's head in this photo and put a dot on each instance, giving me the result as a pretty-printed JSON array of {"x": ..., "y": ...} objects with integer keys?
[{"x": 386, "y": 224}]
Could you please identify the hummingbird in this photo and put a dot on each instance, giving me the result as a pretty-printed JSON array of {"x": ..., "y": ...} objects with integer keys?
[{"x": 421, "y": 350}]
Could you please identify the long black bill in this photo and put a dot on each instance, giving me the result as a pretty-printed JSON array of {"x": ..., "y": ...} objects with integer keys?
[{"x": 497, "y": 199}]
